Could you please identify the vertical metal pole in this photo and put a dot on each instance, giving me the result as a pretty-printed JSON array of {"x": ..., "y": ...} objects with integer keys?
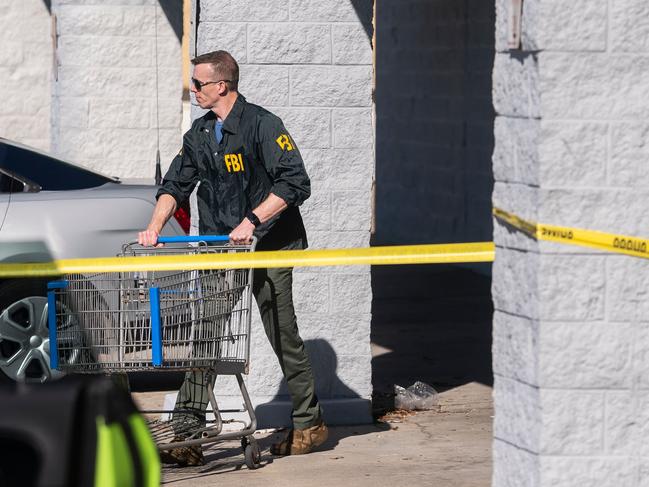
[
  {"x": 51, "y": 323},
  {"x": 51, "y": 319},
  {"x": 156, "y": 328}
]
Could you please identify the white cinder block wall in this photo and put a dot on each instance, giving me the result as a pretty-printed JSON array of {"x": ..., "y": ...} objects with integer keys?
[
  {"x": 105, "y": 92},
  {"x": 571, "y": 335},
  {"x": 310, "y": 62},
  {"x": 25, "y": 67}
]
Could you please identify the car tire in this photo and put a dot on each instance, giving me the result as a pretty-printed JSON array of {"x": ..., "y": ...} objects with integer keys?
[{"x": 27, "y": 299}]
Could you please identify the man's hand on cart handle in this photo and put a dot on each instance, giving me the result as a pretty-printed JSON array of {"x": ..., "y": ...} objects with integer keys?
[
  {"x": 242, "y": 235},
  {"x": 149, "y": 238}
]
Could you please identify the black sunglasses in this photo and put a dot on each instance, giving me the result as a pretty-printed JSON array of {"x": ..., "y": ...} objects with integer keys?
[{"x": 199, "y": 84}]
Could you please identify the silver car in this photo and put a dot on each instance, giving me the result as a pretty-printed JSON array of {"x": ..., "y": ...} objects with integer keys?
[{"x": 51, "y": 209}]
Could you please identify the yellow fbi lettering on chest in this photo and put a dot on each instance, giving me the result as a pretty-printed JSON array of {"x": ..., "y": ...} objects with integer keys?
[{"x": 234, "y": 162}]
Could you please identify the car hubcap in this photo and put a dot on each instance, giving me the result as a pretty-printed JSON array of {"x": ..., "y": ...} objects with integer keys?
[{"x": 25, "y": 342}]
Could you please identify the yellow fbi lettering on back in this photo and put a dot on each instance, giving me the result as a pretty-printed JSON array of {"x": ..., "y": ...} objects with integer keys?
[
  {"x": 234, "y": 162},
  {"x": 284, "y": 142}
]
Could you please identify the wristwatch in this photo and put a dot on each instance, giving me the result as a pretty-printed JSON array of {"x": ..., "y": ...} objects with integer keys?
[{"x": 253, "y": 218}]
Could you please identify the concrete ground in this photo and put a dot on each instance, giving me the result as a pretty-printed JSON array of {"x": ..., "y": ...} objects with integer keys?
[
  {"x": 430, "y": 323},
  {"x": 449, "y": 447}
]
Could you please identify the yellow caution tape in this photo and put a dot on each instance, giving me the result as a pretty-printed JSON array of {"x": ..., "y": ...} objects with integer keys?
[
  {"x": 620, "y": 244},
  {"x": 403, "y": 254},
  {"x": 392, "y": 255}
]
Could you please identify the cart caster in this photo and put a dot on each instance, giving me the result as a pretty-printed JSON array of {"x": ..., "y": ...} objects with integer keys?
[{"x": 251, "y": 452}]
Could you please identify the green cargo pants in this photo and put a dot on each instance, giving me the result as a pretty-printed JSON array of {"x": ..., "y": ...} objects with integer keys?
[{"x": 273, "y": 291}]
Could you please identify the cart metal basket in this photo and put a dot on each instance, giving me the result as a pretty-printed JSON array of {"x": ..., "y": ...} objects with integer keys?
[{"x": 117, "y": 322}]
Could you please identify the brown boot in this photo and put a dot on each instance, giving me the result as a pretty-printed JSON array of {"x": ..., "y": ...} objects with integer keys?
[
  {"x": 185, "y": 456},
  {"x": 299, "y": 442}
]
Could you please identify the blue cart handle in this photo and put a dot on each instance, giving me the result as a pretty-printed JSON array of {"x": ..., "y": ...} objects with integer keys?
[{"x": 194, "y": 238}]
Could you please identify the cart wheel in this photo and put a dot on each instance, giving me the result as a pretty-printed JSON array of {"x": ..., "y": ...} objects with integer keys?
[{"x": 252, "y": 454}]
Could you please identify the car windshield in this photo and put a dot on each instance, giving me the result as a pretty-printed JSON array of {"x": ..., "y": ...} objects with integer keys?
[{"x": 49, "y": 173}]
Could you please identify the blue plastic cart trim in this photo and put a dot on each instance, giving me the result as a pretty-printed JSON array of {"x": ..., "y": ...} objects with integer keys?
[
  {"x": 194, "y": 238},
  {"x": 57, "y": 284},
  {"x": 156, "y": 329},
  {"x": 51, "y": 324}
]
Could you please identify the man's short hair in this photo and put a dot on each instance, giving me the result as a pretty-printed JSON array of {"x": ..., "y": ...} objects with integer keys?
[{"x": 224, "y": 65}]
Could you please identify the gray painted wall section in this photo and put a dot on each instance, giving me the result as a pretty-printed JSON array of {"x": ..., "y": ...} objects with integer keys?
[
  {"x": 434, "y": 121},
  {"x": 571, "y": 339}
]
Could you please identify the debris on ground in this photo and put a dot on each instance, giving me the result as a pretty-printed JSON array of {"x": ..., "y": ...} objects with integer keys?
[
  {"x": 395, "y": 416},
  {"x": 419, "y": 396}
]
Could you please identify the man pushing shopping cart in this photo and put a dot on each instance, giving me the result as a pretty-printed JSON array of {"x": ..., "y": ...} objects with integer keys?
[{"x": 251, "y": 181}]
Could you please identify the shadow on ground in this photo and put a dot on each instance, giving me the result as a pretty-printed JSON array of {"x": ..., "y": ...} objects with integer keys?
[
  {"x": 430, "y": 323},
  {"x": 228, "y": 456}
]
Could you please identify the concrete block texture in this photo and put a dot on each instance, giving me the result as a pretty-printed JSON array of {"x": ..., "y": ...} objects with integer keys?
[
  {"x": 518, "y": 414},
  {"x": 629, "y": 151},
  {"x": 244, "y": 11},
  {"x": 265, "y": 85},
  {"x": 569, "y": 292},
  {"x": 352, "y": 128},
  {"x": 515, "y": 85},
  {"x": 589, "y": 355},
  {"x": 515, "y": 284},
  {"x": 350, "y": 44},
  {"x": 25, "y": 67},
  {"x": 228, "y": 36},
  {"x": 629, "y": 28},
  {"x": 309, "y": 127},
  {"x": 104, "y": 19},
  {"x": 609, "y": 209},
  {"x": 559, "y": 471},
  {"x": 641, "y": 354},
  {"x": 337, "y": 86},
  {"x": 555, "y": 25},
  {"x": 315, "y": 11},
  {"x": 351, "y": 292},
  {"x": 515, "y": 344},
  {"x": 118, "y": 80},
  {"x": 281, "y": 43},
  {"x": 572, "y": 422},
  {"x": 516, "y": 152},
  {"x": 514, "y": 466},
  {"x": 573, "y": 154},
  {"x": 597, "y": 86},
  {"x": 111, "y": 51},
  {"x": 350, "y": 210},
  {"x": 316, "y": 211},
  {"x": 349, "y": 165},
  {"x": 580, "y": 25},
  {"x": 628, "y": 284},
  {"x": 584, "y": 146},
  {"x": 74, "y": 112},
  {"x": 627, "y": 423}
]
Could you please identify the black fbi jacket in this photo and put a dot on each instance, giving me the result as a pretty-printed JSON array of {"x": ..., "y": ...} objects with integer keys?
[{"x": 256, "y": 157}]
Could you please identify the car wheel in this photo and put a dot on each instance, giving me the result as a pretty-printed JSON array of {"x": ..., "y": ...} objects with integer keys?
[{"x": 24, "y": 333}]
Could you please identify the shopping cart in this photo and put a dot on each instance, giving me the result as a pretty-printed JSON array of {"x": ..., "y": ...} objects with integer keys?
[{"x": 196, "y": 320}]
